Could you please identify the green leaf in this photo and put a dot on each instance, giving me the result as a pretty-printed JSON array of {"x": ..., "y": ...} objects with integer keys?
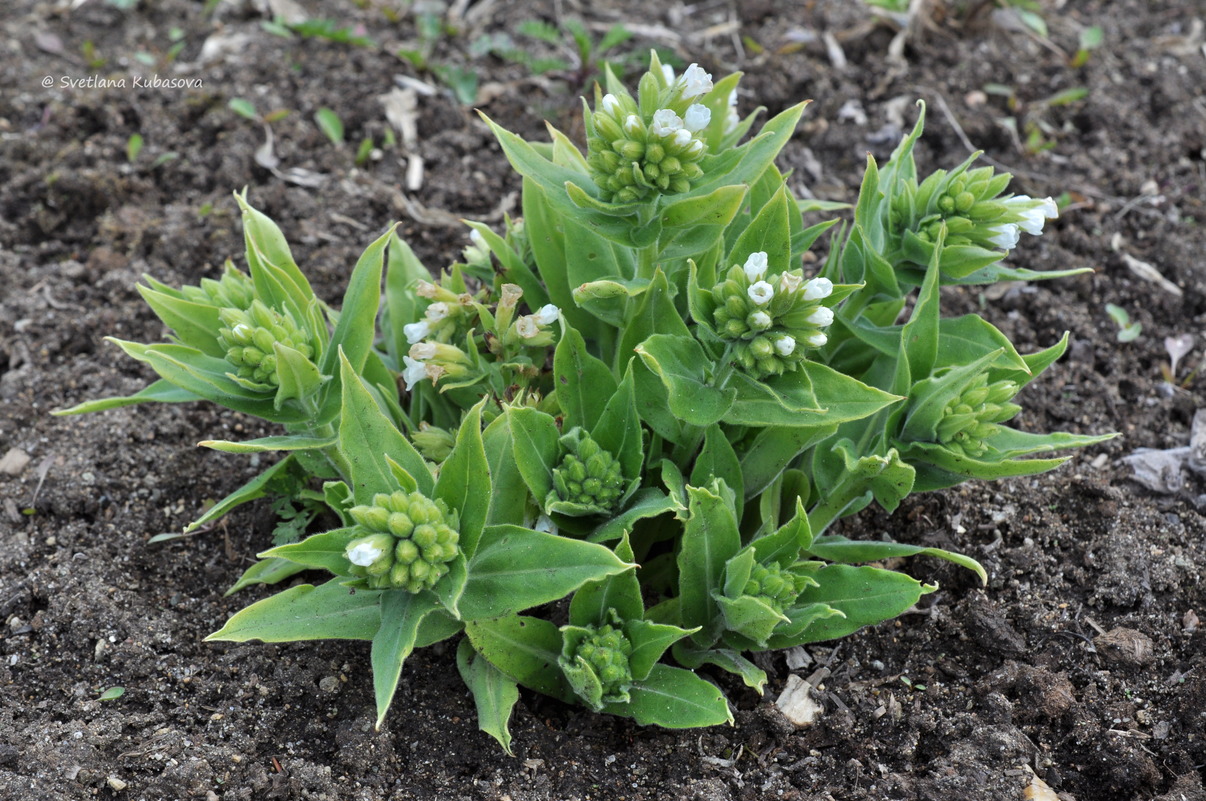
[
  {"x": 278, "y": 281},
  {"x": 524, "y": 648},
  {"x": 287, "y": 442},
  {"x": 509, "y": 492},
  {"x": 865, "y": 595},
  {"x": 749, "y": 616},
  {"x": 160, "y": 391},
  {"x": 403, "y": 272},
  {"x": 584, "y": 384},
  {"x": 770, "y": 232},
  {"x": 773, "y": 449},
  {"x": 618, "y": 428},
  {"x": 112, "y": 694},
  {"x": 325, "y": 550},
  {"x": 646, "y": 503},
  {"x": 710, "y": 538},
  {"x": 266, "y": 571},
  {"x": 814, "y": 395},
  {"x": 593, "y": 602},
  {"x": 401, "y": 614},
  {"x": 255, "y": 488},
  {"x": 784, "y": 545},
  {"x": 367, "y": 437},
  {"x": 195, "y": 324},
  {"x": 718, "y": 460},
  {"x": 328, "y": 612},
  {"x": 356, "y": 327},
  {"x": 534, "y": 437},
  {"x": 649, "y": 641},
  {"x": 674, "y": 698},
  {"x": 723, "y": 658},
  {"x": 329, "y": 123},
  {"x": 681, "y": 365},
  {"x": 494, "y": 693},
  {"x": 299, "y": 377},
  {"x": 516, "y": 568},
  {"x": 835, "y": 548},
  {"x": 754, "y": 156},
  {"x": 655, "y": 314},
  {"x": 244, "y": 108},
  {"x": 464, "y": 482}
]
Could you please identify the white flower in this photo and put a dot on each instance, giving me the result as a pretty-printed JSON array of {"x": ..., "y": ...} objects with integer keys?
[
  {"x": 668, "y": 73},
  {"x": 1004, "y": 236},
  {"x": 475, "y": 236},
  {"x": 823, "y": 316},
  {"x": 731, "y": 119},
  {"x": 785, "y": 346},
  {"x": 547, "y": 314},
  {"x": 761, "y": 293},
  {"x": 436, "y": 311},
  {"x": 695, "y": 82},
  {"x": 790, "y": 282},
  {"x": 1035, "y": 213},
  {"x": 816, "y": 340},
  {"x": 416, "y": 332},
  {"x": 426, "y": 289},
  {"x": 682, "y": 137},
  {"x": 526, "y": 326},
  {"x": 697, "y": 118},
  {"x": 818, "y": 288},
  {"x": 760, "y": 320},
  {"x": 241, "y": 331},
  {"x": 422, "y": 351},
  {"x": 665, "y": 122},
  {"x": 610, "y": 104},
  {"x": 694, "y": 150},
  {"x": 633, "y": 125},
  {"x": 755, "y": 266},
  {"x": 364, "y": 554},
  {"x": 413, "y": 372}
]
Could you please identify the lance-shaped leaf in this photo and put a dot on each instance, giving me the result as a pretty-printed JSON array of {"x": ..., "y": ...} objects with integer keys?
[
  {"x": 812, "y": 396},
  {"x": 864, "y": 596},
  {"x": 159, "y": 391},
  {"x": 723, "y": 658},
  {"x": 367, "y": 437},
  {"x": 464, "y": 482},
  {"x": 516, "y": 568},
  {"x": 919, "y": 338},
  {"x": 645, "y": 503},
  {"x": 939, "y": 467},
  {"x": 326, "y": 550},
  {"x": 773, "y": 449},
  {"x": 618, "y": 428},
  {"x": 743, "y": 165},
  {"x": 356, "y": 326},
  {"x": 331, "y": 611},
  {"x": 402, "y": 303},
  {"x": 674, "y": 698},
  {"x": 534, "y": 439},
  {"x": 835, "y": 548},
  {"x": 195, "y": 324},
  {"x": 710, "y": 538},
  {"x": 593, "y": 603},
  {"x": 524, "y": 648},
  {"x": 257, "y": 487},
  {"x": 681, "y": 365},
  {"x": 287, "y": 442},
  {"x": 494, "y": 693},
  {"x": 401, "y": 615},
  {"x": 655, "y": 314},
  {"x": 509, "y": 495},
  {"x": 266, "y": 571},
  {"x": 299, "y": 377},
  {"x": 584, "y": 384},
  {"x": 769, "y": 232},
  {"x": 718, "y": 460}
]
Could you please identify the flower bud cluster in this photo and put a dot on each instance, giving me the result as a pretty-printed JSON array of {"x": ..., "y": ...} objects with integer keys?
[
  {"x": 776, "y": 587},
  {"x": 770, "y": 321},
  {"x": 234, "y": 290},
  {"x": 633, "y": 156},
  {"x": 968, "y": 205},
  {"x": 248, "y": 336},
  {"x": 972, "y": 417},
  {"x": 588, "y": 475},
  {"x": 607, "y": 650},
  {"x": 408, "y": 540}
]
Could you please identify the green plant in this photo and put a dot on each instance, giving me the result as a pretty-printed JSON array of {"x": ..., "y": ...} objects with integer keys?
[
  {"x": 329, "y": 123},
  {"x": 326, "y": 29},
  {"x": 1127, "y": 330},
  {"x": 628, "y": 420},
  {"x": 133, "y": 147},
  {"x": 1090, "y": 39}
]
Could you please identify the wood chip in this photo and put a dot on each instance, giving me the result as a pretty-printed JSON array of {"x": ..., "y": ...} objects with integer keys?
[
  {"x": 13, "y": 462},
  {"x": 797, "y": 704}
]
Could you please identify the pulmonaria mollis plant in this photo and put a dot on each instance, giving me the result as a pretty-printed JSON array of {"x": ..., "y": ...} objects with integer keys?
[{"x": 605, "y": 447}]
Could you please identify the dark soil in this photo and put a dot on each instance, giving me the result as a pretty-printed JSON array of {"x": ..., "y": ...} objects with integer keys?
[{"x": 1084, "y": 660}]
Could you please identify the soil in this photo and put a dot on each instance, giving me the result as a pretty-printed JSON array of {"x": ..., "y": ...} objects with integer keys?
[{"x": 1082, "y": 663}]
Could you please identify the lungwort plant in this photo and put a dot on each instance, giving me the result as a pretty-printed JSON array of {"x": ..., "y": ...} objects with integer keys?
[{"x": 604, "y": 449}]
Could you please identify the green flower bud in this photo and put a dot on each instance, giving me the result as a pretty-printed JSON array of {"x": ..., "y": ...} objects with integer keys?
[
  {"x": 409, "y": 541},
  {"x": 774, "y": 586},
  {"x": 606, "y": 651},
  {"x": 249, "y": 335},
  {"x": 588, "y": 475}
]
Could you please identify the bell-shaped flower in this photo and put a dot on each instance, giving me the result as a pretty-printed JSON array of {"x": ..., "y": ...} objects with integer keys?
[
  {"x": 413, "y": 372},
  {"x": 761, "y": 293},
  {"x": 665, "y": 123},
  {"x": 416, "y": 332},
  {"x": 755, "y": 266},
  {"x": 697, "y": 118},
  {"x": 818, "y": 289},
  {"x": 1004, "y": 236},
  {"x": 695, "y": 82}
]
